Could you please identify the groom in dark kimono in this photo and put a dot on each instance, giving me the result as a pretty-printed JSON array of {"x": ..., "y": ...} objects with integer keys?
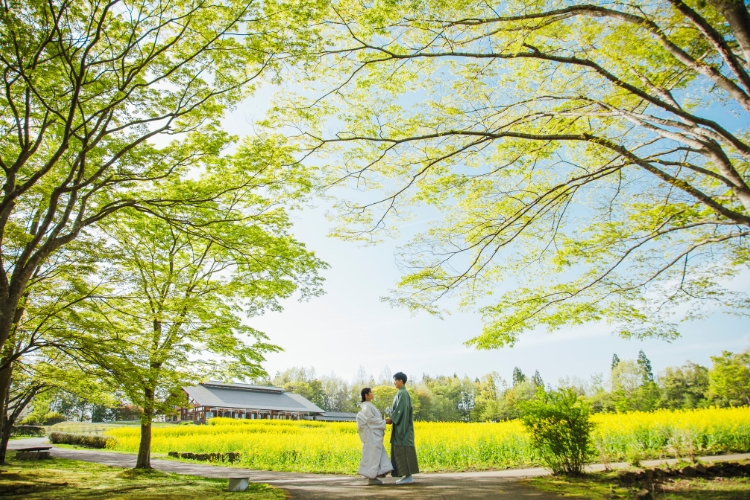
[{"x": 403, "y": 453}]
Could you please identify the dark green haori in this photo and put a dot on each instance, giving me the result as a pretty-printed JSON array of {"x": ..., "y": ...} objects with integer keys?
[{"x": 403, "y": 452}]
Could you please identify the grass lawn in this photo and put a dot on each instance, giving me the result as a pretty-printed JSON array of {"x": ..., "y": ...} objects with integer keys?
[
  {"x": 604, "y": 486},
  {"x": 70, "y": 479}
]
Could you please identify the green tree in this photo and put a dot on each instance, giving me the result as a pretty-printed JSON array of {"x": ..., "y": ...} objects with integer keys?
[
  {"x": 560, "y": 429},
  {"x": 645, "y": 364},
  {"x": 631, "y": 388},
  {"x": 303, "y": 382},
  {"x": 537, "y": 379},
  {"x": 575, "y": 151},
  {"x": 433, "y": 407},
  {"x": 447, "y": 397},
  {"x": 615, "y": 361},
  {"x": 602, "y": 401},
  {"x": 515, "y": 397},
  {"x": 729, "y": 378},
  {"x": 518, "y": 376},
  {"x": 627, "y": 378},
  {"x": 311, "y": 390},
  {"x": 38, "y": 332},
  {"x": 384, "y": 395},
  {"x": 466, "y": 398},
  {"x": 176, "y": 297},
  {"x": 38, "y": 380},
  {"x": 337, "y": 395},
  {"x": 684, "y": 386},
  {"x": 22, "y": 390},
  {"x": 486, "y": 396},
  {"x": 103, "y": 101},
  {"x": 88, "y": 89}
]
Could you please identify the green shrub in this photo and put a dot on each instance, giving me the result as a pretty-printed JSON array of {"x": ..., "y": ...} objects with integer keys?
[
  {"x": 81, "y": 440},
  {"x": 30, "y": 420},
  {"x": 560, "y": 429},
  {"x": 53, "y": 418},
  {"x": 27, "y": 430}
]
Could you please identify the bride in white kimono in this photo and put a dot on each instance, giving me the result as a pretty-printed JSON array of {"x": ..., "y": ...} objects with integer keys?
[{"x": 371, "y": 427}]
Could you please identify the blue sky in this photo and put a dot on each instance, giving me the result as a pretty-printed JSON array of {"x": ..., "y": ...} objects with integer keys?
[{"x": 350, "y": 327}]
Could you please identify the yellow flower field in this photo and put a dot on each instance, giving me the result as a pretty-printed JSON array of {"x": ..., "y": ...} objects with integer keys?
[{"x": 335, "y": 447}]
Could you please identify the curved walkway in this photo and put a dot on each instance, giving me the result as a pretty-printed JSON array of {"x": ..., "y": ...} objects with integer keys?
[{"x": 458, "y": 485}]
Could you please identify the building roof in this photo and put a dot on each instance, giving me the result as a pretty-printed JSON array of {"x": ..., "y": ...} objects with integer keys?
[
  {"x": 337, "y": 416},
  {"x": 245, "y": 387},
  {"x": 249, "y": 397}
]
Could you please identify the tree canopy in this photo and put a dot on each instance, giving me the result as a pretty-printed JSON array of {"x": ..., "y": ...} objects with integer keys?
[
  {"x": 173, "y": 308},
  {"x": 589, "y": 160},
  {"x": 101, "y": 101}
]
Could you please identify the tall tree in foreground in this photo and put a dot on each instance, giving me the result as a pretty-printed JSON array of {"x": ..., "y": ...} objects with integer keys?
[
  {"x": 23, "y": 387},
  {"x": 177, "y": 300},
  {"x": 42, "y": 375},
  {"x": 102, "y": 99},
  {"x": 39, "y": 333},
  {"x": 594, "y": 156}
]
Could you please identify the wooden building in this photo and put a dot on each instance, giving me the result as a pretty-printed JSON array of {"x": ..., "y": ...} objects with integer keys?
[
  {"x": 335, "y": 416},
  {"x": 215, "y": 399}
]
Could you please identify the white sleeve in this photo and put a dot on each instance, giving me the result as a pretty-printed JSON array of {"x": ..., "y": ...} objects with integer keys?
[{"x": 374, "y": 420}]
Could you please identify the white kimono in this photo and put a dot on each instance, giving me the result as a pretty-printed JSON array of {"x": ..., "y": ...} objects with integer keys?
[{"x": 371, "y": 428}]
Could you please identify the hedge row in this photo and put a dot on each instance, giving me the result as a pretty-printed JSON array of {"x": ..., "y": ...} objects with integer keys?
[
  {"x": 27, "y": 430},
  {"x": 232, "y": 456},
  {"x": 81, "y": 440}
]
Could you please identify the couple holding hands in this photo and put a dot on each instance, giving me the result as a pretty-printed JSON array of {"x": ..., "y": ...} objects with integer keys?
[{"x": 371, "y": 427}]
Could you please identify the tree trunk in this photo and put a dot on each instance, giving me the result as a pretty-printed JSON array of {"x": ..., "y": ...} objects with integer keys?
[
  {"x": 144, "y": 449},
  {"x": 5, "y": 437},
  {"x": 7, "y": 313},
  {"x": 5, "y": 424}
]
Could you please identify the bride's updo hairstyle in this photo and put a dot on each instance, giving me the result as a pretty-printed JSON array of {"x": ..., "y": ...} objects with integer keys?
[{"x": 365, "y": 392}]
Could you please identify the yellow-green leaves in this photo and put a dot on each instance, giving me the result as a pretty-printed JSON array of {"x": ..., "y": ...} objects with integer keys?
[{"x": 585, "y": 157}]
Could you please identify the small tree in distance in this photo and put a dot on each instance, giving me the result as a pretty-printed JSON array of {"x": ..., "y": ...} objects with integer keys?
[
  {"x": 518, "y": 376},
  {"x": 615, "y": 361},
  {"x": 645, "y": 364},
  {"x": 560, "y": 429},
  {"x": 537, "y": 379},
  {"x": 729, "y": 379}
]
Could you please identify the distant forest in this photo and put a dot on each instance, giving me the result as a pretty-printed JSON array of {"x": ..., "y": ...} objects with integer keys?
[{"x": 630, "y": 385}]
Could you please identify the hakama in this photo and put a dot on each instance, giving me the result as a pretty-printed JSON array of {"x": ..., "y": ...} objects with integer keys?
[{"x": 403, "y": 452}]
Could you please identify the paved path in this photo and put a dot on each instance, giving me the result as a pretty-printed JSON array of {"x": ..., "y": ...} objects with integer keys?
[
  {"x": 459, "y": 485},
  {"x": 464, "y": 486}
]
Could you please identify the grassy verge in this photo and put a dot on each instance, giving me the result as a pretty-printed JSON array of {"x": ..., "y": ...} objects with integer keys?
[
  {"x": 71, "y": 479},
  {"x": 160, "y": 456},
  {"x": 606, "y": 486},
  {"x": 99, "y": 428}
]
